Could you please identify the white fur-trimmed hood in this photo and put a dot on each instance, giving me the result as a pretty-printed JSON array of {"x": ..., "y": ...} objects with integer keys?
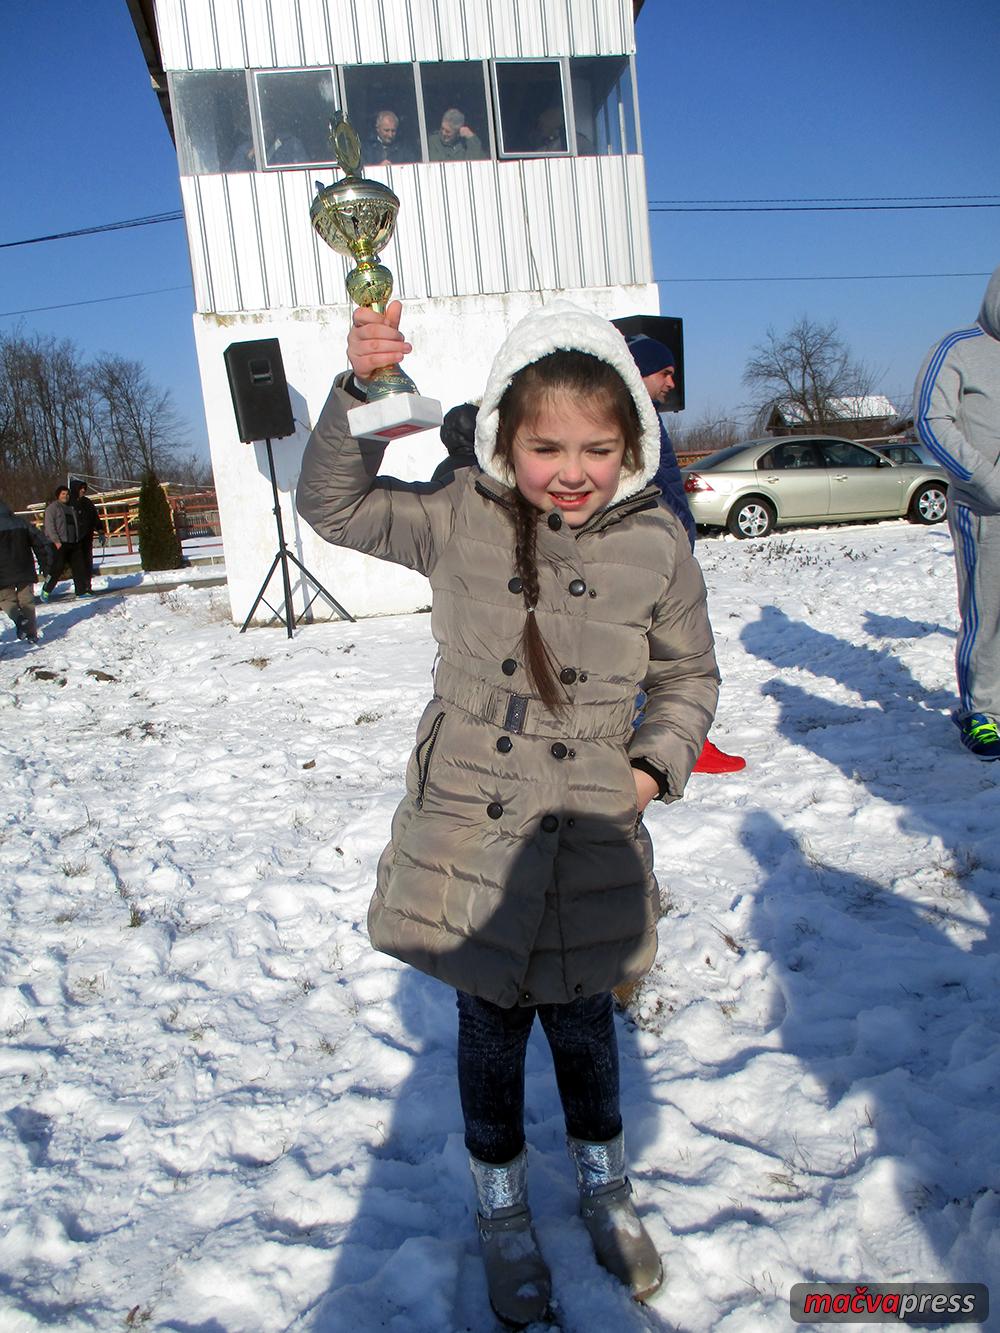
[{"x": 562, "y": 326}]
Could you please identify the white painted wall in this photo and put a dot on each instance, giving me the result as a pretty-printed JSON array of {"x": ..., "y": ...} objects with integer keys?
[{"x": 454, "y": 342}]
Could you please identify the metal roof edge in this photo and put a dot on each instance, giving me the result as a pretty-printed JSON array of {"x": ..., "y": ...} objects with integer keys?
[{"x": 143, "y": 16}]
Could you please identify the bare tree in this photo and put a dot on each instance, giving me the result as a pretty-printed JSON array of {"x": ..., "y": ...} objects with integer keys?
[
  {"x": 809, "y": 370},
  {"x": 60, "y": 414},
  {"x": 141, "y": 428},
  {"x": 46, "y": 414},
  {"x": 714, "y": 429}
]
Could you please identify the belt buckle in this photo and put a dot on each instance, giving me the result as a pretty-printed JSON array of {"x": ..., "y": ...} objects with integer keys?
[{"x": 517, "y": 711}]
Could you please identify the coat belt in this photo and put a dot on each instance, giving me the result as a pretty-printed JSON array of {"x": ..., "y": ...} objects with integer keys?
[{"x": 525, "y": 716}]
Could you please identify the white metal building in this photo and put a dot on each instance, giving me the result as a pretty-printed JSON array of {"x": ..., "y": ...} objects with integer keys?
[{"x": 541, "y": 191}]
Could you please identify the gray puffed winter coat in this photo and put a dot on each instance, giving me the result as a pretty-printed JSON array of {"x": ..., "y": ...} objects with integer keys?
[{"x": 518, "y": 867}]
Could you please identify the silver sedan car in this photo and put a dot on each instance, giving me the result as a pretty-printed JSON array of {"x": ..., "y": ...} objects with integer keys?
[{"x": 753, "y": 487}]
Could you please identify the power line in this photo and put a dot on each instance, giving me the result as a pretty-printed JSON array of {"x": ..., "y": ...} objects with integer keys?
[
  {"x": 846, "y": 204},
  {"x": 810, "y": 208},
  {"x": 846, "y": 199},
  {"x": 96, "y": 300},
  {"x": 831, "y": 277},
  {"x": 148, "y": 221},
  {"x": 816, "y": 277}
]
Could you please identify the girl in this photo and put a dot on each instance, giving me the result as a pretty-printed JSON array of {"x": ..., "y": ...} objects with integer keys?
[{"x": 519, "y": 871}]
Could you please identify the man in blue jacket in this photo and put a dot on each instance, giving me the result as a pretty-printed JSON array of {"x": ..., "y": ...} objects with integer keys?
[
  {"x": 957, "y": 413},
  {"x": 656, "y": 364}
]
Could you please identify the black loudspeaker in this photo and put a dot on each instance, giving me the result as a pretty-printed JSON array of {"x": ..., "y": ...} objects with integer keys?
[
  {"x": 666, "y": 329},
  {"x": 260, "y": 390}
]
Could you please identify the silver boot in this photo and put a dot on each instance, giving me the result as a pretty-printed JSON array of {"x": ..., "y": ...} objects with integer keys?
[
  {"x": 516, "y": 1273},
  {"x": 621, "y": 1242}
]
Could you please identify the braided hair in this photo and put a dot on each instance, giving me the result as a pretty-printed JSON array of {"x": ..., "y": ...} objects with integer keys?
[{"x": 597, "y": 387}]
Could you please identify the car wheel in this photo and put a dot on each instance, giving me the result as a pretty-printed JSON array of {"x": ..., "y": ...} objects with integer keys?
[
  {"x": 752, "y": 517},
  {"x": 930, "y": 504}
]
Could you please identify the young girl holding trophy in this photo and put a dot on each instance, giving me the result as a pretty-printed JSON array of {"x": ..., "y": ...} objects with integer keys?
[{"x": 519, "y": 871}]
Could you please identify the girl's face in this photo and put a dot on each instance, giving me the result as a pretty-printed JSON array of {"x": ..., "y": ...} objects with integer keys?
[{"x": 568, "y": 458}]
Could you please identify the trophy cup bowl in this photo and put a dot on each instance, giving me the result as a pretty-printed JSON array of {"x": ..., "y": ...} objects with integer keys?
[{"x": 356, "y": 217}]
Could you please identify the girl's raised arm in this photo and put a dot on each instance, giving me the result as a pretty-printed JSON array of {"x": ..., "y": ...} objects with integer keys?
[{"x": 342, "y": 497}]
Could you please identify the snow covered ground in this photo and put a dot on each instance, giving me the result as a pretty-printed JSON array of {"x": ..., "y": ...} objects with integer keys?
[{"x": 222, "y": 1112}]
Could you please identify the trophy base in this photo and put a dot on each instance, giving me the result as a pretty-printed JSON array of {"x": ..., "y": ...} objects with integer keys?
[{"x": 394, "y": 417}]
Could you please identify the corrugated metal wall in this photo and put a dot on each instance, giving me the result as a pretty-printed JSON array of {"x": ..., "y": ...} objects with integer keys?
[
  {"x": 267, "y": 34},
  {"x": 465, "y": 228}
]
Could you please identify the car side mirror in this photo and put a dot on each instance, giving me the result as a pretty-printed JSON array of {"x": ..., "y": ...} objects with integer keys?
[{"x": 886, "y": 462}]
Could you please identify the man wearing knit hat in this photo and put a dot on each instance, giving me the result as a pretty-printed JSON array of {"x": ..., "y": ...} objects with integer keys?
[{"x": 656, "y": 363}]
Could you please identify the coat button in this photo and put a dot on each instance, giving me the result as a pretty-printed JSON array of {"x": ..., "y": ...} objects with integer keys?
[
  {"x": 505, "y": 745},
  {"x": 559, "y": 751},
  {"x": 508, "y": 667},
  {"x": 567, "y": 675},
  {"x": 592, "y": 593},
  {"x": 577, "y": 588},
  {"x": 583, "y": 675},
  {"x": 526, "y": 997},
  {"x": 494, "y": 809},
  {"x": 549, "y": 824},
  {"x": 571, "y": 823},
  {"x": 555, "y": 522},
  {"x": 515, "y": 585},
  {"x": 577, "y": 989}
]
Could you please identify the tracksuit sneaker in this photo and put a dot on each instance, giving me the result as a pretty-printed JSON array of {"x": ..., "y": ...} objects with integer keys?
[{"x": 979, "y": 734}]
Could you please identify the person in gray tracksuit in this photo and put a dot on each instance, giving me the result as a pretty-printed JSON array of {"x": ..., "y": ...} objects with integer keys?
[{"x": 957, "y": 413}]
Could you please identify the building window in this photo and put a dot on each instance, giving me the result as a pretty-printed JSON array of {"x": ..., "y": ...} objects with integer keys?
[
  {"x": 382, "y": 106},
  {"x": 296, "y": 108},
  {"x": 455, "y": 111},
  {"x": 603, "y": 105},
  {"x": 531, "y": 108},
  {"x": 212, "y": 114}
]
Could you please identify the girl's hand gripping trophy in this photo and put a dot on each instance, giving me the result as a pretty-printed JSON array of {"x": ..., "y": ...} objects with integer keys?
[{"x": 356, "y": 217}]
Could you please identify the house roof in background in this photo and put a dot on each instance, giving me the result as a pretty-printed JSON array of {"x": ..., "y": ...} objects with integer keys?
[{"x": 873, "y": 406}]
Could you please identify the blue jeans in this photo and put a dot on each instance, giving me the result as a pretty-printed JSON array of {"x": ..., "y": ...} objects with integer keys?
[{"x": 491, "y": 1049}]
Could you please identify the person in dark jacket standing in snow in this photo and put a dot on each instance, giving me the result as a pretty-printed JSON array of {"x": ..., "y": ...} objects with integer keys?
[
  {"x": 88, "y": 522},
  {"x": 957, "y": 414},
  {"x": 656, "y": 363},
  {"x": 17, "y": 570},
  {"x": 62, "y": 530}
]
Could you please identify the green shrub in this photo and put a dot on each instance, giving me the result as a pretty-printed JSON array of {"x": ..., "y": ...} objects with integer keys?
[{"x": 158, "y": 544}]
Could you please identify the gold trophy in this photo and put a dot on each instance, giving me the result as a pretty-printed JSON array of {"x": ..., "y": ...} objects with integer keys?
[{"x": 356, "y": 217}]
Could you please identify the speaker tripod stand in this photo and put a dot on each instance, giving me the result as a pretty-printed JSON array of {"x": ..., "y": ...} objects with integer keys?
[{"x": 282, "y": 557}]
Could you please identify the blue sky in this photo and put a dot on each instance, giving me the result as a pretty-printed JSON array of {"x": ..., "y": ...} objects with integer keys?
[{"x": 780, "y": 99}]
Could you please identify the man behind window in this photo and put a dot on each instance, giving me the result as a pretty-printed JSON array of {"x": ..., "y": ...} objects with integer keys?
[
  {"x": 454, "y": 141},
  {"x": 384, "y": 147}
]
